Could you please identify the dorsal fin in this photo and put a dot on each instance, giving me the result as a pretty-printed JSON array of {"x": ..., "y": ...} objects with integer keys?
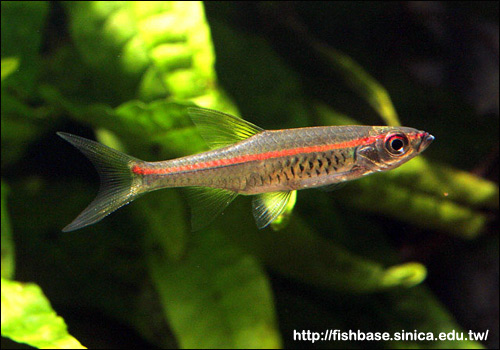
[{"x": 220, "y": 129}]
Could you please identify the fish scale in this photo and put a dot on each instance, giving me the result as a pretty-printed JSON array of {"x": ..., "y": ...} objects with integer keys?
[{"x": 248, "y": 160}]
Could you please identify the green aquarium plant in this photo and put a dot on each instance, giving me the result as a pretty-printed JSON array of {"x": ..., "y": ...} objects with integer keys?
[{"x": 126, "y": 73}]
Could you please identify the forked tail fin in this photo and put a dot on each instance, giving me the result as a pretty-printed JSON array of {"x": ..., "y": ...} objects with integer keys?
[{"x": 119, "y": 185}]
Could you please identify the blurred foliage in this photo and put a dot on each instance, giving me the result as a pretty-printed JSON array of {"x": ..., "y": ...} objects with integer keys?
[
  {"x": 9, "y": 65},
  {"x": 27, "y": 317},
  {"x": 8, "y": 258},
  {"x": 361, "y": 82},
  {"x": 127, "y": 71}
]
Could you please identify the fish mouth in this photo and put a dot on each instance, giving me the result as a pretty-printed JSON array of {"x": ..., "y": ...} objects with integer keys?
[{"x": 426, "y": 141}]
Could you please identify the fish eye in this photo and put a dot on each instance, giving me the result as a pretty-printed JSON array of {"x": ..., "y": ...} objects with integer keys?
[{"x": 397, "y": 144}]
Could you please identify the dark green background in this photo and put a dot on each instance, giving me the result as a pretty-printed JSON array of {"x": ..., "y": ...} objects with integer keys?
[{"x": 117, "y": 283}]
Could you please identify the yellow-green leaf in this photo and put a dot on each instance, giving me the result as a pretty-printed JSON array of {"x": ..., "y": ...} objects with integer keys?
[
  {"x": 214, "y": 295},
  {"x": 27, "y": 317},
  {"x": 9, "y": 65}
]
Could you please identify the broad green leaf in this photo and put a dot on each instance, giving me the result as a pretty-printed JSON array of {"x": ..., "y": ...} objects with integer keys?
[
  {"x": 298, "y": 252},
  {"x": 163, "y": 124},
  {"x": 174, "y": 228},
  {"x": 106, "y": 261},
  {"x": 213, "y": 293},
  {"x": 153, "y": 49},
  {"x": 323, "y": 263},
  {"x": 9, "y": 65},
  {"x": 447, "y": 183},
  {"x": 8, "y": 252},
  {"x": 380, "y": 195},
  {"x": 108, "y": 254},
  {"x": 216, "y": 295},
  {"x": 27, "y": 317}
]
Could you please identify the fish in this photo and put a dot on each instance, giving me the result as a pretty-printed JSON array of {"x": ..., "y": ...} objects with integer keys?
[{"x": 247, "y": 160}]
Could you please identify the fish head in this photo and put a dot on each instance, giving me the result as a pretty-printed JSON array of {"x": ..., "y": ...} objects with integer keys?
[{"x": 393, "y": 146}]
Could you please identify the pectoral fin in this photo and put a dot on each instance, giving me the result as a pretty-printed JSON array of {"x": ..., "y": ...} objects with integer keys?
[{"x": 268, "y": 206}]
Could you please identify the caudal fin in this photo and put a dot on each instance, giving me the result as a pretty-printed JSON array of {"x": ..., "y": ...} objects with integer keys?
[{"x": 119, "y": 185}]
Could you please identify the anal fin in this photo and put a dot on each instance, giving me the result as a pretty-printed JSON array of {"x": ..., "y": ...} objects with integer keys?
[{"x": 206, "y": 204}]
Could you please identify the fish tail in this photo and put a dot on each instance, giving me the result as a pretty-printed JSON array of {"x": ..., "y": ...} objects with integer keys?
[{"x": 119, "y": 185}]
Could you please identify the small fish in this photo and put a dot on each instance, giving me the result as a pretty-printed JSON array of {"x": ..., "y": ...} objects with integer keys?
[{"x": 246, "y": 159}]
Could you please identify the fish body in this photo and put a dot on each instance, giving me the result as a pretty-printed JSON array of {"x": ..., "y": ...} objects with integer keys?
[
  {"x": 281, "y": 160},
  {"x": 248, "y": 160}
]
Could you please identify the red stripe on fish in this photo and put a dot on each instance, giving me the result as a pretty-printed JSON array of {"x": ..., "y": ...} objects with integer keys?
[
  {"x": 136, "y": 169},
  {"x": 252, "y": 157}
]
